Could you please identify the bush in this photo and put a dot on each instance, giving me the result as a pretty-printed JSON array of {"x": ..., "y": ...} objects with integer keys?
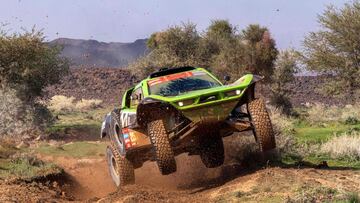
[
  {"x": 281, "y": 123},
  {"x": 60, "y": 103},
  {"x": 63, "y": 104},
  {"x": 285, "y": 68},
  {"x": 28, "y": 168},
  {"x": 351, "y": 120},
  {"x": 320, "y": 113},
  {"x": 345, "y": 146},
  {"x": 18, "y": 118},
  {"x": 90, "y": 104},
  {"x": 284, "y": 130}
]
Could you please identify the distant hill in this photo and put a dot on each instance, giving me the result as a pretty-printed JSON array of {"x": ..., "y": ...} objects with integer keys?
[{"x": 92, "y": 53}]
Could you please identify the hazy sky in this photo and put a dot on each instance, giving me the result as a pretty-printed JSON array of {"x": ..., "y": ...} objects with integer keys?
[{"x": 128, "y": 20}]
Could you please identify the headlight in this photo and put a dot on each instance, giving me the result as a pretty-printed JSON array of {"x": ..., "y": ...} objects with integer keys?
[
  {"x": 232, "y": 93},
  {"x": 185, "y": 102}
]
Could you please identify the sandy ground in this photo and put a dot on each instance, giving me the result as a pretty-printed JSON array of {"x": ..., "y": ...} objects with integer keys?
[{"x": 88, "y": 179}]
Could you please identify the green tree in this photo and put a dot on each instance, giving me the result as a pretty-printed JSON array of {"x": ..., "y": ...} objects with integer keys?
[
  {"x": 335, "y": 49},
  {"x": 260, "y": 50},
  {"x": 286, "y": 65},
  {"x": 27, "y": 66},
  {"x": 220, "y": 49},
  {"x": 176, "y": 46},
  {"x": 180, "y": 42}
]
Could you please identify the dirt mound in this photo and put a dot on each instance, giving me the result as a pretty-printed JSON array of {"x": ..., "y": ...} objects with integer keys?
[
  {"x": 273, "y": 184},
  {"x": 35, "y": 192},
  {"x": 108, "y": 84}
]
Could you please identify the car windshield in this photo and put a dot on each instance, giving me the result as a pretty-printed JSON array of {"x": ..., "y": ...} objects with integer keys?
[{"x": 180, "y": 83}]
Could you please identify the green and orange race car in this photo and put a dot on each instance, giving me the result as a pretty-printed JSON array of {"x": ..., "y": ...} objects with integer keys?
[{"x": 182, "y": 110}]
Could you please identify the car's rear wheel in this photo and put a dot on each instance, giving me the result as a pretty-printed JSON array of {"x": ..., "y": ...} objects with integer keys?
[
  {"x": 163, "y": 151},
  {"x": 120, "y": 168},
  {"x": 262, "y": 126},
  {"x": 212, "y": 151}
]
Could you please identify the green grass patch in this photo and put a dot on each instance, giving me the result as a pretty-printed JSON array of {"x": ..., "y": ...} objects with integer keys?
[
  {"x": 319, "y": 134},
  {"x": 7, "y": 150},
  {"x": 78, "y": 120},
  {"x": 314, "y": 160},
  {"x": 26, "y": 168},
  {"x": 75, "y": 149},
  {"x": 333, "y": 163}
]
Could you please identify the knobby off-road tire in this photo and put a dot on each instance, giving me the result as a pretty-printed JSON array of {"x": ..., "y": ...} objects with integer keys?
[
  {"x": 261, "y": 122},
  {"x": 163, "y": 152},
  {"x": 115, "y": 134},
  {"x": 120, "y": 168},
  {"x": 212, "y": 151}
]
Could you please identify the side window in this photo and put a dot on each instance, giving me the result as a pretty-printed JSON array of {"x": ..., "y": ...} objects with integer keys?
[{"x": 136, "y": 97}]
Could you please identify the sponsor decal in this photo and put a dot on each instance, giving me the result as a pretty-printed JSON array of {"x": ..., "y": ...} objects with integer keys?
[{"x": 126, "y": 134}]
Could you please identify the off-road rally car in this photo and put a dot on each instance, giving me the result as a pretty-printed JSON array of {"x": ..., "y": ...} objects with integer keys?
[{"x": 182, "y": 110}]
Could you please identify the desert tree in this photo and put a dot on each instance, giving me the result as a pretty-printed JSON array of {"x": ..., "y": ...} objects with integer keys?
[
  {"x": 224, "y": 49},
  {"x": 335, "y": 49},
  {"x": 286, "y": 65},
  {"x": 175, "y": 46},
  {"x": 220, "y": 49},
  {"x": 260, "y": 50},
  {"x": 27, "y": 66}
]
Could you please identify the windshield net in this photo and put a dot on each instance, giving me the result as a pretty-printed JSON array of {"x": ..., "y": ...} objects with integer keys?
[{"x": 180, "y": 83}]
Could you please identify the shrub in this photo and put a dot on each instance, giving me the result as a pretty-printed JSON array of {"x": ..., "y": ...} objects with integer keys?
[
  {"x": 285, "y": 68},
  {"x": 28, "y": 168},
  {"x": 85, "y": 104},
  {"x": 345, "y": 146},
  {"x": 18, "y": 118},
  {"x": 351, "y": 121},
  {"x": 284, "y": 130},
  {"x": 60, "y": 103},
  {"x": 63, "y": 104},
  {"x": 281, "y": 123},
  {"x": 318, "y": 113}
]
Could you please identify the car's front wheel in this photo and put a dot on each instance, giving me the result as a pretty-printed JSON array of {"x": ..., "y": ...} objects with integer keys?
[
  {"x": 120, "y": 168},
  {"x": 163, "y": 151},
  {"x": 262, "y": 126}
]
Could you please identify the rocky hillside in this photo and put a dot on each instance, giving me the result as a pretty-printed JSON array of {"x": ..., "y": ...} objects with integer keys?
[
  {"x": 100, "y": 54},
  {"x": 108, "y": 84}
]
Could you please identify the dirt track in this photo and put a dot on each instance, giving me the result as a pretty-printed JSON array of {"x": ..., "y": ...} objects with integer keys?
[
  {"x": 88, "y": 179},
  {"x": 241, "y": 178},
  {"x": 193, "y": 182}
]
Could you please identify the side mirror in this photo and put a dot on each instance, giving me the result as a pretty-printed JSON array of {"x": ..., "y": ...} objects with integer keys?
[{"x": 227, "y": 78}]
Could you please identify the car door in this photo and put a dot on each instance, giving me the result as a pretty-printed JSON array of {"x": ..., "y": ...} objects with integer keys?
[{"x": 128, "y": 115}]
